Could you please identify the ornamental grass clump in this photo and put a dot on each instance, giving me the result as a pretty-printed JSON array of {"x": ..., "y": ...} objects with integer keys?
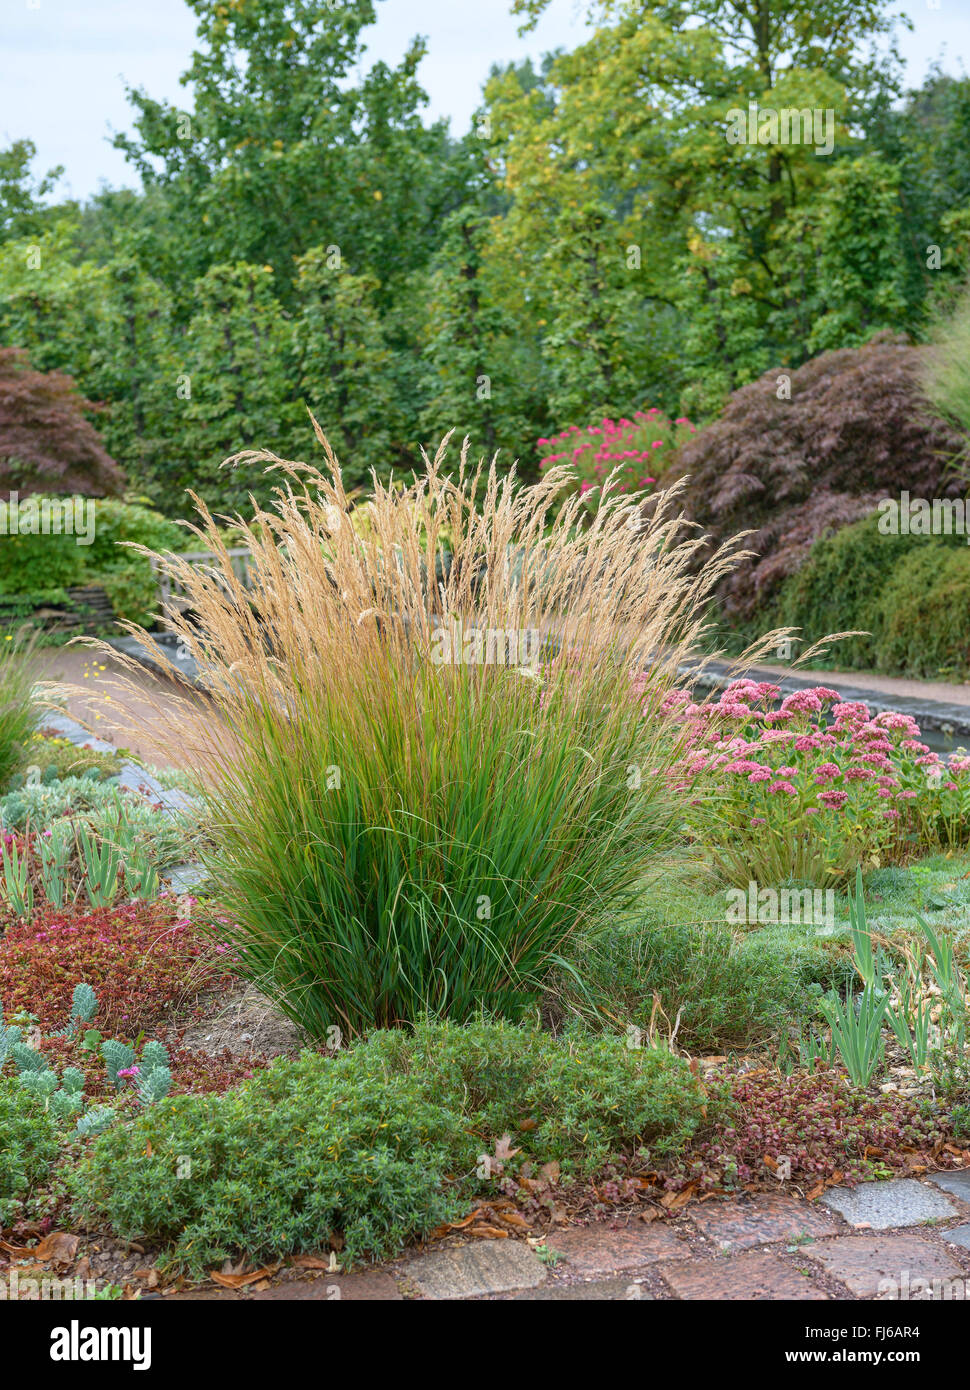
[
  {"x": 424, "y": 775},
  {"x": 18, "y": 704}
]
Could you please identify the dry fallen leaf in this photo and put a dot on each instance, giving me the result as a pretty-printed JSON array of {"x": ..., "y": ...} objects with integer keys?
[
  {"x": 460, "y": 1225},
  {"x": 239, "y": 1281},
  {"x": 504, "y": 1150},
  {"x": 673, "y": 1201},
  {"x": 58, "y": 1246},
  {"x": 17, "y": 1251},
  {"x": 513, "y": 1218},
  {"x": 313, "y": 1261}
]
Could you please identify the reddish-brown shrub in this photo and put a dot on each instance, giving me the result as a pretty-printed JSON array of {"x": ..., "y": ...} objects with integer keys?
[
  {"x": 192, "y": 1070},
  {"x": 46, "y": 443},
  {"x": 141, "y": 959},
  {"x": 826, "y": 1128},
  {"x": 855, "y": 430}
]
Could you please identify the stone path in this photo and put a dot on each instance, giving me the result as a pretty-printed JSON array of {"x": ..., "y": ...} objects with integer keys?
[
  {"x": 89, "y": 675},
  {"x": 899, "y": 1240}
]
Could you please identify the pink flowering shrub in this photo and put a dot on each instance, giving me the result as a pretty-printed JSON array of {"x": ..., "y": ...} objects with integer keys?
[
  {"x": 639, "y": 448},
  {"x": 814, "y": 788}
]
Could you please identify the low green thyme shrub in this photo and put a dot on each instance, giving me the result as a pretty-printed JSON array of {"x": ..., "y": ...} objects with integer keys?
[
  {"x": 585, "y": 1096},
  {"x": 381, "y": 1143},
  {"x": 280, "y": 1164},
  {"x": 28, "y": 1144},
  {"x": 728, "y": 992}
]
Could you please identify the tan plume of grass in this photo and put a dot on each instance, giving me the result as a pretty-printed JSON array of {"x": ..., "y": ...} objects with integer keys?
[
  {"x": 327, "y": 600},
  {"x": 396, "y": 832}
]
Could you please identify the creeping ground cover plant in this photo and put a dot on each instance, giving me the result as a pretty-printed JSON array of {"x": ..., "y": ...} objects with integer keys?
[{"x": 814, "y": 788}]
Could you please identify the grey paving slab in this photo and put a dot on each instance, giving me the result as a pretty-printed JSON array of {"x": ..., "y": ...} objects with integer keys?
[
  {"x": 469, "y": 1271},
  {"x": 883, "y": 1206},
  {"x": 958, "y": 1235},
  {"x": 894, "y": 1266},
  {"x": 956, "y": 1181}
]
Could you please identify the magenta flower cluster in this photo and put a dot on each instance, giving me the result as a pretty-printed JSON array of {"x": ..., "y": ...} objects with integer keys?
[
  {"x": 633, "y": 446},
  {"x": 757, "y": 769}
]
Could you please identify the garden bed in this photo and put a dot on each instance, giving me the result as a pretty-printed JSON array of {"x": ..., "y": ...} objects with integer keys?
[{"x": 418, "y": 974}]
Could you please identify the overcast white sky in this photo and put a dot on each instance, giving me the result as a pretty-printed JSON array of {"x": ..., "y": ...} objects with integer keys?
[{"x": 64, "y": 65}]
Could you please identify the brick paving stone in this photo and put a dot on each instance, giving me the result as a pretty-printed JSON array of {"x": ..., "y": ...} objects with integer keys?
[
  {"x": 753, "y": 1276},
  {"x": 876, "y": 1266},
  {"x": 372, "y": 1285},
  {"x": 740, "y": 1223},
  {"x": 469, "y": 1271},
  {"x": 595, "y": 1290},
  {"x": 604, "y": 1249},
  {"x": 957, "y": 1181},
  {"x": 959, "y": 1235},
  {"x": 881, "y": 1206}
]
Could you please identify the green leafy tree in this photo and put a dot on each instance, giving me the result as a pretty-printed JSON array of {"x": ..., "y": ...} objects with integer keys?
[
  {"x": 282, "y": 151},
  {"x": 485, "y": 377},
  {"x": 229, "y": 383},
  {"x": 636, "y": 126},
  {"x": 22, "y": 213},
  {"x": 345, "y": 370}
]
